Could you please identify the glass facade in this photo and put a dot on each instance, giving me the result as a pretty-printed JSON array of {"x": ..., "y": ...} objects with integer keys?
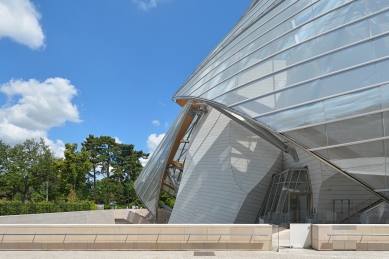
[
  {"x": 175, "y": 170},
  {"x": 148, "y": 184},
  {"x": 316, "y": 71},
  {"x": 163, "y": 171},
  {"x": 288, "y": 198}
]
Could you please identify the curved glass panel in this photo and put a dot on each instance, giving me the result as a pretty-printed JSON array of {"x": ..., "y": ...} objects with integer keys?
[
  {"x": 148, "y": 184},
  {"x": 293, "y": 18},
  {"x": 352, "y": 104},
  {"x": 312, "y": 137},
  {"x": 301, "y": 116},
  {"x": 369, "y": 153}
]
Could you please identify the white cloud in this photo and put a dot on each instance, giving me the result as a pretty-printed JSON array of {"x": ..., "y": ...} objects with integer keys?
[
  {"x": 153, "y": 141},
  {"x": 58, "y": 147},
  {"x": 20, "y": 22},
  {"x": 143, "y": 161},
  {"x": 156, "y": 122},
  {"x": 117, "y": 140},
  {"x": 34, "y": 107},
  {"x": 146, "y": 5},
  {"x": 166, "y": 124}
]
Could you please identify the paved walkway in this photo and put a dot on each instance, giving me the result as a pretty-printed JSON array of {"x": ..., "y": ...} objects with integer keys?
[{"x": 285, "y": 254}]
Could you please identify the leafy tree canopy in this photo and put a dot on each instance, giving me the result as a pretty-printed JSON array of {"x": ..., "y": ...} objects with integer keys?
[{"x": 100, "y": 170}]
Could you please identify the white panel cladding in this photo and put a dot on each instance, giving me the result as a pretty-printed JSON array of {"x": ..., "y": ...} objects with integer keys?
[
  {"x": 225, "y": 162},
  {"x": 327, "y": 183},
  {"x": 339, "y": 187}
]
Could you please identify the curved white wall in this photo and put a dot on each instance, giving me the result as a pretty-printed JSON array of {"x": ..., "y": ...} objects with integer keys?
[{"x": 227, "y": 171}]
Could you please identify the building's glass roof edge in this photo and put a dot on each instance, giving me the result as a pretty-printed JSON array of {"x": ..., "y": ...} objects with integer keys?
[{"x": 215, "y": 50}]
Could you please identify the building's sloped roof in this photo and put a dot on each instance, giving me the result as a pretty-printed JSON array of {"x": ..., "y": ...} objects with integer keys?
[{"x": 314, "y": 72}]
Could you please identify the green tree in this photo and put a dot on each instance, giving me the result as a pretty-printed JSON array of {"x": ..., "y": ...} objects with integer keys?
[
  {"x": 30, "y": 171},
  {"x": 26, "y": 162},
  {"x": 93, "y": 146},
  {"x": 125, "y": 162},
  {"x": 46, "y": 172},
  {"x": 5, "y": 190},
  {"x": 106, "y": 153},
  {"x": 73, "y": 169}
]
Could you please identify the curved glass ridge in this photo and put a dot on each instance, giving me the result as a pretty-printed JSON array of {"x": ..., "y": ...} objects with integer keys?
[
  {"x": 313, "y": 70},
  {"x": 148, "y": 184}
]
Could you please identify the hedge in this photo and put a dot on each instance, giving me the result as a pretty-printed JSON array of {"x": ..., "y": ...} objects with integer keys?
[{"x": 18, "y": 208}]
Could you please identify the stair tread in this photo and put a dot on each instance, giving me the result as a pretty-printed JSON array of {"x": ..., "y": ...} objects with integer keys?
[{"x": 363, "y": 209}]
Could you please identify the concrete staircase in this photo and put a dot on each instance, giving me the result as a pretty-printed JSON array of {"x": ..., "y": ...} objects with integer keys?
[
  {"x": 143, "y": 216},
  {"x": 359, "y": 209}
]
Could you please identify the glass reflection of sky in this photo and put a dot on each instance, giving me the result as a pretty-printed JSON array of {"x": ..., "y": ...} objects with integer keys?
[{"x": 351, "y": 104}]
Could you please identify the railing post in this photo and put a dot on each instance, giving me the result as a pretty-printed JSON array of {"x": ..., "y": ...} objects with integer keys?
[{"x": 278, "y": 232}]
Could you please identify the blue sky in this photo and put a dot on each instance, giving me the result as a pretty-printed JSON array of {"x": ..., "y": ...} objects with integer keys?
[{"x": 102, "y": 67}]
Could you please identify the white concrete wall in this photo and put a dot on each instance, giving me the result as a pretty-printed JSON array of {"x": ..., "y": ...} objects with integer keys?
[
  {"x": 300, "y": 235},
  {"x": 136, "y": 237},
  {"x": 368, "y": 237},
  {"x": 223, "y": 172}
]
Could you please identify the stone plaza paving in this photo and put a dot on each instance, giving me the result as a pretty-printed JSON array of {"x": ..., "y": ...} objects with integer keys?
[{"x": 284, "y": 253}]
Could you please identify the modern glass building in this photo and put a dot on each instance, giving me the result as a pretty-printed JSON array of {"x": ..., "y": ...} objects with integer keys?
[{"x": 286, "y": 119}]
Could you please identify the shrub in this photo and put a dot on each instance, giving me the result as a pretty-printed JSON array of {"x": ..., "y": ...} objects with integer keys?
[{"x": 18, "y": 208}]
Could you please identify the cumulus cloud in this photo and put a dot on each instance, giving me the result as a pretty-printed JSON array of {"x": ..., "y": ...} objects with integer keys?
[
  {"x": 143, "y": 161},
  {"x": 20, "y": 22},
  {"x": 156, "y": 122},
  {"x": 152, "y": 143},
  {"x": 34, "y": 107},
  {"x": 146, "y": 5},
  {"x": 117, "y": 140}
]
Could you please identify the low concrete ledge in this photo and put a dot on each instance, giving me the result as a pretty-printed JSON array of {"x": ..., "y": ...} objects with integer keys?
[
  {"x": 363, "y": 237},
  {"x": 171, "y": 246},
  {"x": 134, "y": 216},
  {"x": 135, "y": 237}
]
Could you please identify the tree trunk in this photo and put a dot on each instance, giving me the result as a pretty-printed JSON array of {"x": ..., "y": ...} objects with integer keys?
[
  {"x": 25, "y": 196},
  {"x": 94, "y": 177},
  {"x": 25, "y": 191},
  {"x": 108, "y": 168},
  {"x": 47, "y": 190}
]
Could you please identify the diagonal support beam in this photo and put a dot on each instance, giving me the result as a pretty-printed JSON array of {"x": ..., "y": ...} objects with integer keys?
[{"x": 172, "y": 179}]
